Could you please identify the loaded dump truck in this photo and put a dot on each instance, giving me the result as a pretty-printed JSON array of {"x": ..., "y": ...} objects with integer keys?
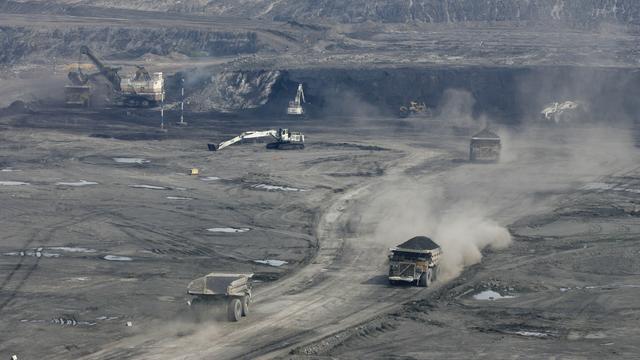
[
  {"x": 415, "y": 261},
  {"x": 219, "y": 289}
]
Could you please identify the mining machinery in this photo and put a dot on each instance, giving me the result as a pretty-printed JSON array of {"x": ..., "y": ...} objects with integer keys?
[
  {"x": 284, "y": 139},
  {"x": 295, "y": 106},
  {"x": 141, "y": 90}
]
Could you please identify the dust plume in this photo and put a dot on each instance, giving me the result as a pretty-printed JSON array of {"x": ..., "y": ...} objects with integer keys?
[{"x": 462, "y": 229}]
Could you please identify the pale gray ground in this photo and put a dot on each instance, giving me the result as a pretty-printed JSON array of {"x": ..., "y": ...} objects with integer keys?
[{"x": 343, "y": 285}]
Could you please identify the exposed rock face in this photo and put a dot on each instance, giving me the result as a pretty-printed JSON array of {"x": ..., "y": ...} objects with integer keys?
[
  {"x": 32, "y": 43},
  {"x": 582, "y": 12},
  {"x": 234, "y": 91}
]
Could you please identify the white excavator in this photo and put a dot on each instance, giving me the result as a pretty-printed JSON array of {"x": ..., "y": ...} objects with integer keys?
[
  {"x": 284, "y": 139},
  {"x": 295, "y": 106}
]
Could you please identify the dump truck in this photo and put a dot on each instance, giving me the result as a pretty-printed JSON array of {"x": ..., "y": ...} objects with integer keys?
[
  {"x": 415, "y": 261},
  {"x": 221, "y": 289},
  {"x": 485, "y": 146}
]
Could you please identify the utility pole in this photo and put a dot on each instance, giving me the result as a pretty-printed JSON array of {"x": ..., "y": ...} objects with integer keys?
[{"x": 182, "y": 105}]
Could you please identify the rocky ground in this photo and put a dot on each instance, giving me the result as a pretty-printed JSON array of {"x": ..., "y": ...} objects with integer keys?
[{"x": 103, "y": 228}]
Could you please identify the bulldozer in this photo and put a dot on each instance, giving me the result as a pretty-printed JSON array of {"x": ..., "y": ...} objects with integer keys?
[
  {"x": 140, "y": 90},
  {"x": 414, "y": 108}
]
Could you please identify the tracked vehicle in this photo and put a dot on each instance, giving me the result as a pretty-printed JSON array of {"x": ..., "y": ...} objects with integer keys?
[
  {"x": 295, "y": 106},
  {"x": 415, "y": 261},
  {"x": 216, "y": 290},
  {"x": 284, "y": 139},
  {"x": 141, "y": 90}
]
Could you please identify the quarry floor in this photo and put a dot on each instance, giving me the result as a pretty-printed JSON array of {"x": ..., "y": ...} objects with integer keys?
[{"x": 102, "y": 228}]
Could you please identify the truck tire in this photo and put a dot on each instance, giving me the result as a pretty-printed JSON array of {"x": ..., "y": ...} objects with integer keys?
[
  {"x": 436, "y": 273},
  {"x": 234, "y": 309},
  {"x": 245, "y": 305},
  {"x": 425, "y": 278}
]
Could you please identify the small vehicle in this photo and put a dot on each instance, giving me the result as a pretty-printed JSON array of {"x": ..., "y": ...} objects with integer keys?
[
  {"x": 415, "y": 261},
  {"x": 215, "y": 289},
  {"x": 414, "y": 108}
]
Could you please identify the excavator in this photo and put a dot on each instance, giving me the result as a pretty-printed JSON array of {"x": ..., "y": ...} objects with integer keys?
[
  {"x": 142, "y": 90},
  {"x": 284, "y": 139},
  {"x": 295, "y": 106}
]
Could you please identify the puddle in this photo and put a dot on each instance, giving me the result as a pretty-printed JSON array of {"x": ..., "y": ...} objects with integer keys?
[
  {"x": 228, "y": 230},
  {"x": 275, "y": 263},
  {"x": 491, "y": 295},
  {"x": 72, "y": 249},
  {"x": 276, "y": 188},
  {"x": 117, "y": 258},
  {"x": 106, "y": 318},
  {"x": 532, "y": 334},
  {"x": 210, "y": 178},
  {"x": 59, "y": 321},
  {"x": 150, "y": 187},
  {"x": 12, "y": 183},
  {"x": 77, "y": 183},
  {"x": 35, "y": 253},
  {"x": 9, "y": 170},
  {"x": 125, "y": 160},
  {"x": 178, "y": 198}
]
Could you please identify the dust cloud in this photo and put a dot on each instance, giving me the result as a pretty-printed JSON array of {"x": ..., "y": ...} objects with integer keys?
[{"x": 463, "y": 229}]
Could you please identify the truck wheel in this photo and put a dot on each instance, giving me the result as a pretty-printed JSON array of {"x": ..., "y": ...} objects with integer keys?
[
  {"x": 245, "y": 305},
  {"x": 425, "y": 278},
  {"x": 436, "y": 272},
  {"x": 234, "y": 309}
]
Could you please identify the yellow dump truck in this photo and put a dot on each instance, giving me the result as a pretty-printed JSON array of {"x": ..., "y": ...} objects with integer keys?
[{"x": 415, "y": 261}]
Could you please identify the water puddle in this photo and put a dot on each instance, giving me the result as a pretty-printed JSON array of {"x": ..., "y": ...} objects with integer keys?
[
  {"x": 126, "y": 160},
  {"x": 210, "y": 178},
  {"x": 60, "y": 321},
  {"x": 178, "y": 198},
  {"x": 117, "y": 258},
  {"x": 149, "y": 187},
  {"x": 276, "y": 188},
  {"x": 72, "y": 249},
  {"x": 38, "y": 253},
  {"x": 77, "y": 183},
  {"x": 9, "y": 170},
  {"x": 532, "y": 334},
  {"x": 228, "y": 230},
  {"x": 491, "y": 295},
  {"x": 276, "y": 263},
  {"x": 12, "y": 183}
]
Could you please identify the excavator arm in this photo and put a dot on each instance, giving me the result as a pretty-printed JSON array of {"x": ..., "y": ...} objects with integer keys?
[
  {"x": 244, "y": 135},
  {"x": 110, "y": 73}
]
